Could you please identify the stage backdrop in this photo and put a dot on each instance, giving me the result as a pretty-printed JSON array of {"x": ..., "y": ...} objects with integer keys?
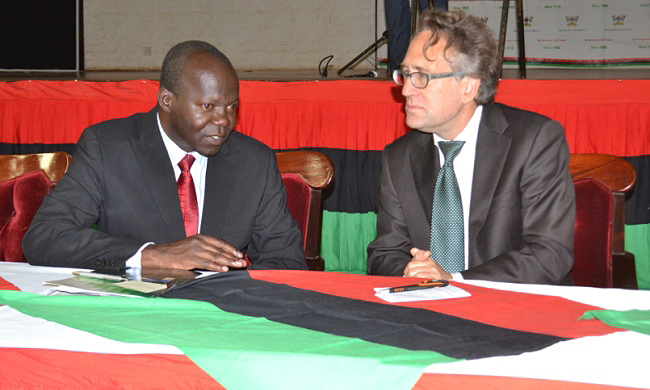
[
  {"x": 351, "y": 122},
  {"x": 573, "y": 33}
]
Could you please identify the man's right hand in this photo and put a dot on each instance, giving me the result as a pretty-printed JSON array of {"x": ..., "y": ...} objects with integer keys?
[
  {"x": 195, "y": 252},
  {"x": 422, "y": 266}
]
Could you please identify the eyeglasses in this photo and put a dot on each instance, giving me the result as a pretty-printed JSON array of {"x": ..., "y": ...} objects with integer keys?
[{"x": 421, "y": 80}]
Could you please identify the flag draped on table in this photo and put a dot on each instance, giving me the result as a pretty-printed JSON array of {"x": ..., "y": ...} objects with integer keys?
[{"x": 291, "y": 329}]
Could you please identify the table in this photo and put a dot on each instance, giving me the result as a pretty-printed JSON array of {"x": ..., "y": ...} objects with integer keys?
[{"x": 115, "y": 342}]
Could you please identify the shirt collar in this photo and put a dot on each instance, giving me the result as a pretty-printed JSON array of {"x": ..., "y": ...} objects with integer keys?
[
  {"x": 470, "y": 132},
  {"x": 176, "y": 154}
]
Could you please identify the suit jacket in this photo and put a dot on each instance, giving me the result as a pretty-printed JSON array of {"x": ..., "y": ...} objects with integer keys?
[
  {"x": 122, "y": 181},
  {"x": 522, "y": 208}
]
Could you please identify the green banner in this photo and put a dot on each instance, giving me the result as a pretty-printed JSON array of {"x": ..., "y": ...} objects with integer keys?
[
  {"x": 345, "y": 238},
  {"x": 637, "y": 242}
]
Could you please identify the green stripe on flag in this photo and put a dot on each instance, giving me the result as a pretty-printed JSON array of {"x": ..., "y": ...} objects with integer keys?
[
  {"x": 345, "y": 238},
  {"x": 636, "y": 320},
  {"x": 637, "y": 242},
  {"x": 238, "y": 351}
]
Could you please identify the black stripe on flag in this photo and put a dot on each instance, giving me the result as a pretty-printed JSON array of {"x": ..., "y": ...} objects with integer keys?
[{"x": 403, "y": 327}]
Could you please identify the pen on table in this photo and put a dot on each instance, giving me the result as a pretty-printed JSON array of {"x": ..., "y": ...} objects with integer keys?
[
  {"x": 113, "y": 278},
  {"x": 420, "y": 286}
]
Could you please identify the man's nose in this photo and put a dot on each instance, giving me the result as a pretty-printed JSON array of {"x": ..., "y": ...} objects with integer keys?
[
  {"x": 407, "y": 88},
  {"x": 220, "y": 117}
]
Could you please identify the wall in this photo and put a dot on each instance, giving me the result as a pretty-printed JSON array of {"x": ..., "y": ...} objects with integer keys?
[{"x": 254, "y": 34}]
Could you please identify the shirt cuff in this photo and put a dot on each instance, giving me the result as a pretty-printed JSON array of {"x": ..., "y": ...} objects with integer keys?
[
  {"x": 135, "y": 261},
  {"x": 457, "y": 276}
]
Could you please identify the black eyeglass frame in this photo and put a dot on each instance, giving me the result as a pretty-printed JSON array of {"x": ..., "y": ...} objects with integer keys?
[{"x": 397, "y": 73}]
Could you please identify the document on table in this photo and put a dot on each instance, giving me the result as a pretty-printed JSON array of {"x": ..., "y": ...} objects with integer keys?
[
  {"x": 144, "y": 283},
  {"x": 427, "y": 294},
  {"x": 97, "y": 286}
]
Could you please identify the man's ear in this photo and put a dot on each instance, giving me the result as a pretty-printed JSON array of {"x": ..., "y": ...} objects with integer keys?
[
  {"x": 165, "y": 99},
  {"x": 470, "y": 89}
]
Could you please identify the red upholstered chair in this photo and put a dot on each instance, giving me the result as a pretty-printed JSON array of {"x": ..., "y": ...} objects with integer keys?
[
  {"x": 54, "y": 164},
  {"x": 20, "y": 197},
  {"x": 305, "y": 174},
  {"x": 24, "y": 182},
  {"x": 601, "y": 182}
]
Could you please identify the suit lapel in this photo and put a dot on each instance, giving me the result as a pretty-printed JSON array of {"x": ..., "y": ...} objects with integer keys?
[
  {"x": 425, "y": 165},
  {"x": 220, "y": 175},
  {"x": 153, "y": 160},
  {"x": 491, "y": 152}
]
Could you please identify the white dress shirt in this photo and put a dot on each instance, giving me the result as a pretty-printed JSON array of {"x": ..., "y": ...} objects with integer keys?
[
  {"x": 197, "y": 171},
  {"x": 464, "y": 170}
]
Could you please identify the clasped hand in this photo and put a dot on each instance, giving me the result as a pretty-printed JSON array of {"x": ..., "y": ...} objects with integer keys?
[
  {"x": 422, "y": 266},
  {"x": 194, "y": 252}
]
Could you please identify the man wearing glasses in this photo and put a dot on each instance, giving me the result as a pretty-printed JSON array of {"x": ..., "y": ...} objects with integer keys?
[{"x": 478, "y": 190}]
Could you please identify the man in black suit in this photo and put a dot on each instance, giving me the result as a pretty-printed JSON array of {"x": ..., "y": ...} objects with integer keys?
[
  {"x": 123, "y": 179},
  {"x": 511, "y": 173}
]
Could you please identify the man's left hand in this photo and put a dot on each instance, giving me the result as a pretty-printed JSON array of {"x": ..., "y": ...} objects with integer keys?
[{"x": 421, "y": 266}]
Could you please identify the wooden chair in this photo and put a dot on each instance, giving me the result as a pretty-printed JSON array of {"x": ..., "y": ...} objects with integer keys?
[
  {"x": 305, "y": 174},
  {"x": 54, "y": 164},
  {"x": 601, "y": 182},
  {"x": 25, "y": 180}
]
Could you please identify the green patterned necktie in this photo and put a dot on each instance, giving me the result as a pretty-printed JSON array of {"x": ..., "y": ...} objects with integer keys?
[{"x": 447, "y": 233}]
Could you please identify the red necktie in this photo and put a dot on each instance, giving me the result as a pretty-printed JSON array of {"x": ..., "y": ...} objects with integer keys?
[{"x": 187, "y": 195}]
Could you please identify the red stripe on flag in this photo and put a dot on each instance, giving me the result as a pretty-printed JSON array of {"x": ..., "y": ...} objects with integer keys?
[
  {"x": 525, "y": 312},
  {"x": 4, "y": 285},
  {"x": 44, "y": 368},
  {"x": 451, "y": 381}
]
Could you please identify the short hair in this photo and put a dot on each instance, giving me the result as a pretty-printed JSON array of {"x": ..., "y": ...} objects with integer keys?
[
  {"x": 177, "y": 56},
  {"x": 473, "y": 47}
]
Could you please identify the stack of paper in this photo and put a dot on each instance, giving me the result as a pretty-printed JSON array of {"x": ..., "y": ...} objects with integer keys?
[{"x": 426, "y": 294}]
